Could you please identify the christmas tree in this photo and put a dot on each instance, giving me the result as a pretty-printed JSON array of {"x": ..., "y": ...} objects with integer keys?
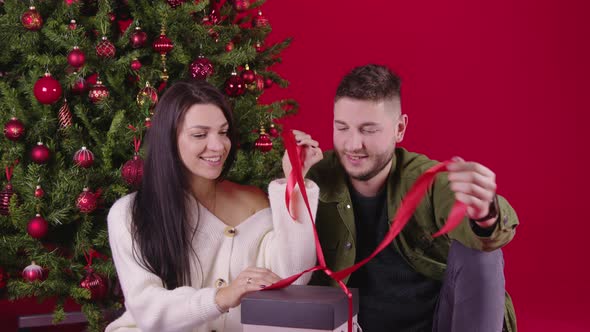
[{"x": 79, "y": 80}]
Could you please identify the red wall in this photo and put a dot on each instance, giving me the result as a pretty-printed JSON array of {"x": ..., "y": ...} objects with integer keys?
[{"x": 501, "y": 82}]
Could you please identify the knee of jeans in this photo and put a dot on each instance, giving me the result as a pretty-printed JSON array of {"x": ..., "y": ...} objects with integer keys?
[{"x": 470, "y": 260}]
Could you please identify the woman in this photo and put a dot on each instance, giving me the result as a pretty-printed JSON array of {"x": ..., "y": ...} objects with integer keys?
[{"x": 189, "y": 245}]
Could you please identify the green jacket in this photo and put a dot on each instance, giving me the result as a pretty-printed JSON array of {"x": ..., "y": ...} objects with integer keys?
[{"x": 427, "y": 255}]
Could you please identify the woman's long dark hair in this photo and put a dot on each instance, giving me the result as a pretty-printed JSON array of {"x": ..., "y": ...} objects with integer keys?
[{"x": 161, "y": 229}]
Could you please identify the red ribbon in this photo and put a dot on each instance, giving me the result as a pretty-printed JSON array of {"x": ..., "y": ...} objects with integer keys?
[
  {"x": 9, "y": 170},
  {"x": 401, "y": 218},
  {"x": 136, "y": 143},
  {"x": 90, "y": 255},
  {"x": 136, "y": 140}
]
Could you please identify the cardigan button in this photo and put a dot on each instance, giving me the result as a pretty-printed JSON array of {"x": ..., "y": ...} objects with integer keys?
[
  {"x": 220, "y": 283},
  {"x": 230, "y": 231},
  {"x": 348, "y": 245}
]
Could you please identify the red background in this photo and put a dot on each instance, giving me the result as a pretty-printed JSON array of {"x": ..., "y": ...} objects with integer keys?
[{"x": 500, "y": 82}]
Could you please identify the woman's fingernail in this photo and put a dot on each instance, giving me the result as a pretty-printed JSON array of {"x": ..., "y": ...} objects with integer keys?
[{"x": 262, "y": 286}]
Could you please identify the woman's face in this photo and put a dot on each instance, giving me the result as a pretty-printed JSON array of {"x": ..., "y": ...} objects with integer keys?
[{"x": 203, "y": 143}]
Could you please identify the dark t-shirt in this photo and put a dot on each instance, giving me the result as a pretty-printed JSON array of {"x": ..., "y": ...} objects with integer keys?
[{"x": 393, "y": 297}]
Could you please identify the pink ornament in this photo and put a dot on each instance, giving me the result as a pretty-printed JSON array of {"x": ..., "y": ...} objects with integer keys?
[
  {"x": 40, "y": 154},
  {"x": 84, "y": 157},
  {"x": 33, "y": 272},
  {"x": 86, "y": 201},
  {"x": 14, "y": 129},
  {"x": 201, "y": 68},
  {"x": 132, "y": 171},
  {"x": 138, "y": 38},
  {"x": 76, "y": 57},
  {"x": 135, "y": 65},
  {"x": 47, "y": 89},
  {"x": 234, "y": 86},
  {"x": 105, "y": 49},
  {"x": 37, "y": 227}
]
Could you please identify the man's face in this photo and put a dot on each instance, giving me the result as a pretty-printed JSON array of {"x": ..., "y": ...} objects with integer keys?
[{"x": 365, "y": 134}]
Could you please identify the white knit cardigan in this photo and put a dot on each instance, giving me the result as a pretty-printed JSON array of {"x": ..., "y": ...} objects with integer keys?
[{"x": 269, "y": 238}]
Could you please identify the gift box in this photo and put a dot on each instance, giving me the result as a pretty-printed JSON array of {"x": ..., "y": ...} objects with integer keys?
[{"x": 298, "y": 308}]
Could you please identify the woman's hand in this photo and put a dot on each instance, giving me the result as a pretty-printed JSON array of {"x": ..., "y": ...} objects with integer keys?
[
  {"x": 311, "y": 153},
  {"x": 250, "y": 280}
]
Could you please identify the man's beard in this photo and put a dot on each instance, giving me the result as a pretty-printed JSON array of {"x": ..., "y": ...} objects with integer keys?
[{"x": 381, "y": 161}]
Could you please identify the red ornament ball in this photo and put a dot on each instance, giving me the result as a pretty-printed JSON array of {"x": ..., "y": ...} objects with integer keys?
[
  {"x": 163, "y": 44},
  {"x": 39, "y": 192},
  {"x": 5, "y": 196},
  {"x": 138, "y": 38},
  {"x": 37, "y": 227},
  {"x": 263, "y": 142},
  {"x": 33, "y": 272},
  {"x": 76, "y": 57},
  {"x": 273, "y": 132},
  {"x": 148, "y": 122},
  {"x": 147, "y": 95},
  {"x": 73, "y": 25},
  {"x": 14, "y": 129},
  {"x": 241, "y": 5},
  {"x": 92, "y": 79},
  {"x": 201, "y": 68},
  {"x": 175, "y": 3},
  {"x": 234, "y": 86},
  {"x": 95, "y": 284},
  {"x": 86, "y": 201},
  {"x": 40, "y": 154},
  {"x": 80, "y": 86},
  {"x": 229, "y": 46},
  {"x": 84, "y": 157},
  {"x": 31, "y": 19},
  {"x": 248, "y": 75},
  {"x": 98, "y": 92},
  {"x": 259, "y": 47},
  {"x": 105, "y": 49},
  {"x": 135, "y": 65},
  {"x": 47, "y": 89},
  {"x": 132, "y": 171},
  {"x": 268, "y": 82}
]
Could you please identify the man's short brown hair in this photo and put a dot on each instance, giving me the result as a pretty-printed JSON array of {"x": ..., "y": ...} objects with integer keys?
[{"x": 370, "y": 82}]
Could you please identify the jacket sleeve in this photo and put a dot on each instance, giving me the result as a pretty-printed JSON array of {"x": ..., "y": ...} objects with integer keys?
[
  {"x": 504, "y": 229},
  {"x": 289, "y": 248},
  {"x": 153, "y": 307}
]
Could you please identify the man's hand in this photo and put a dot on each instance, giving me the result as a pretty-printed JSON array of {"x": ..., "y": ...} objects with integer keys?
[{"x": 474, "y": 185}]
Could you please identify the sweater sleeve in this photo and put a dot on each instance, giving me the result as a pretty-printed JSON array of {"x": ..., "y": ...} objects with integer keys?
[
  {"x": 290, "y": 247},
  {"x": 153, "y": 307}
]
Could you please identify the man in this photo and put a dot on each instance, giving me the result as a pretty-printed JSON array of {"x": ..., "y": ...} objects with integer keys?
[{"x": 418, "y": 283}]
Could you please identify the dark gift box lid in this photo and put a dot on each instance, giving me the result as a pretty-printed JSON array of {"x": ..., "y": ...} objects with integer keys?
[{"x": 307, "y": 307}]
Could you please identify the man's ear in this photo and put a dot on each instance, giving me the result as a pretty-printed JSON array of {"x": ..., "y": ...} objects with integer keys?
[{"x": 402, "y": 125}]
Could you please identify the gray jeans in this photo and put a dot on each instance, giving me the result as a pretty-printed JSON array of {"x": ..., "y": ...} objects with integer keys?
[{"x": 472, "y": 294}]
